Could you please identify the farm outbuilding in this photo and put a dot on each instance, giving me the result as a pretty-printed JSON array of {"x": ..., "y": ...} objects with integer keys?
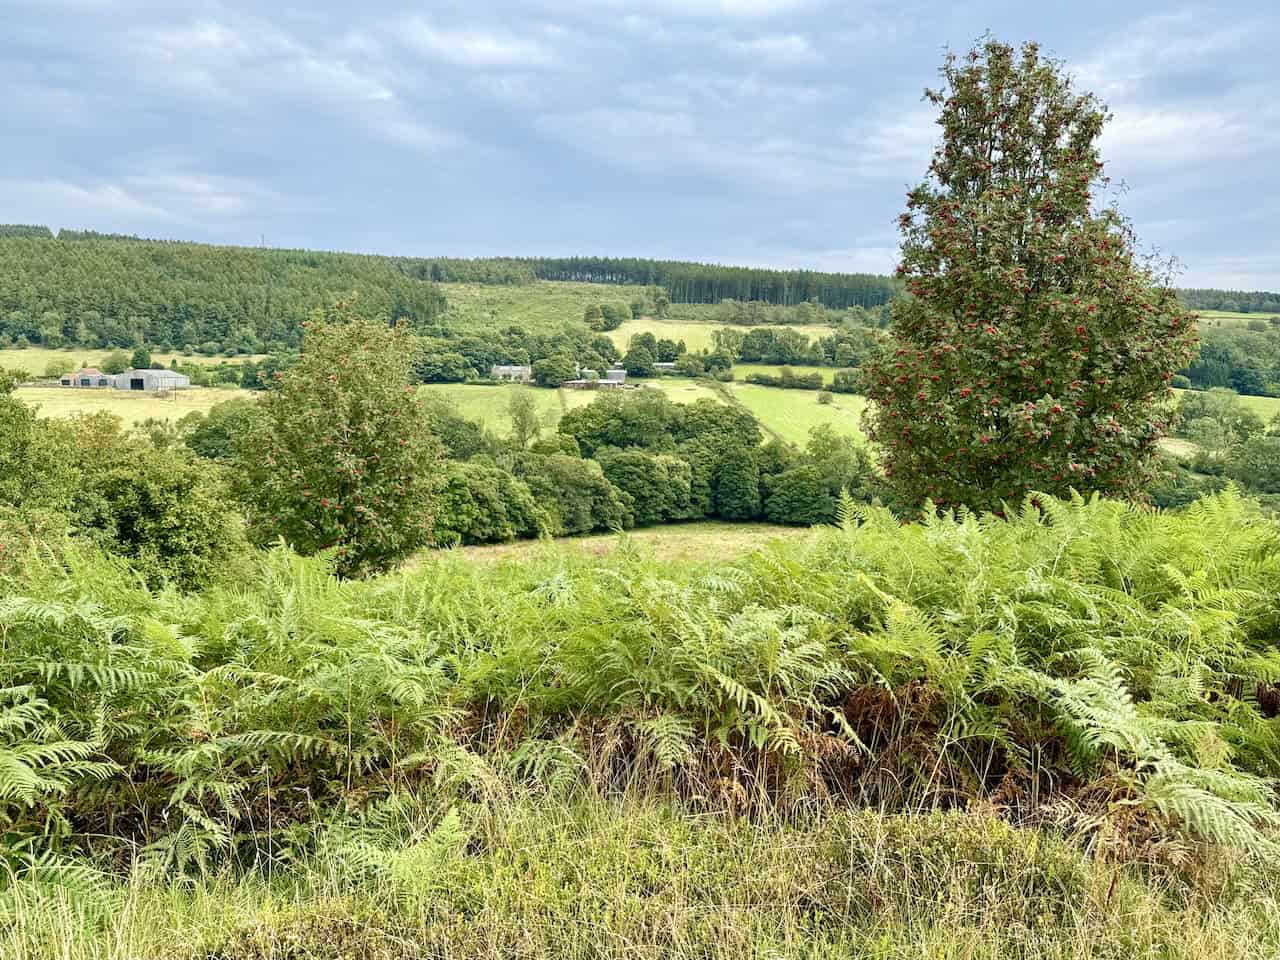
[
  {"x": 87, "y": 378},
  {"x": 152, "y": 381},
  {"x": 519, "y": 372}
]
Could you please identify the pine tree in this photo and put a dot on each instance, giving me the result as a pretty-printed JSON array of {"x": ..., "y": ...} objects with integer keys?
[{"x": 1034, "y": 351}]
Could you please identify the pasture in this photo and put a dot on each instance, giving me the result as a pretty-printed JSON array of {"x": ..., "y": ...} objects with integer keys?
[
  {"x": 36, "y": 360},
  {"x": 680, "y": 543},
  {"x": 697, "y": 334},
  {"x": 1225, "y": 318},
  {"x": 541, "y": 307},
  {"x": 791, "y": 414},
  {"x": 487, "y": 404},
  {"x": 132, "y": 408}
]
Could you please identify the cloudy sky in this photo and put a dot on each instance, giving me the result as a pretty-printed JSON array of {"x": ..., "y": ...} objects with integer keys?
[{"x": 773, "y": 132}]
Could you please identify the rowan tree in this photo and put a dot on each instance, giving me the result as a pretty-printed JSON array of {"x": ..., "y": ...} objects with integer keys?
[
  {"x": 1035, "y": 349},
  {"x": 341, "y": 456}
]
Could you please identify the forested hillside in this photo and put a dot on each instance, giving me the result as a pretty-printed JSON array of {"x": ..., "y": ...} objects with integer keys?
[
  {"x": 105, "y": 290},
  {"x": 1233, "y": 301},
  {"x": 711, "y": 283}
]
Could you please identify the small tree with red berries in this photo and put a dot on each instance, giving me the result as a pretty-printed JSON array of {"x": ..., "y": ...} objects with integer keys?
[{"x": 1033, "y": 351}]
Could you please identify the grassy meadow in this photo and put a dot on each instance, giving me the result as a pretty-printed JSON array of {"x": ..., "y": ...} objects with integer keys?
[
  {"x": 35, "y": 360},
  {"x": 696, "y": 334},
  {"x": 791, "y": 414},
  {"x": 701, "y": 542},
  {"x": 1223, "y": 318},
  {"x": 130, "y": 407},
  {"x": 543, "y": 306}
]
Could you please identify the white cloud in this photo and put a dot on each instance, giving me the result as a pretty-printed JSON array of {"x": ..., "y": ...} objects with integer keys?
[
  {"x": 1157, "y": 45},
  {"x": 655, "y": 142},
  {"x": 142, "y": 201},
  {"x": 477, "y": 47},
  {"x": 775, "y": 50},
  {"x": 240, "y": 64},
  {"x": 897, "y": 143},
  {"x": 704, "y": 8},
  {"x": 872, "y": 256}
]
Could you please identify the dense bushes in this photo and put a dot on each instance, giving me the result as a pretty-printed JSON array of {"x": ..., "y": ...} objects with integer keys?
[
  {"x": 166, "y": 513},
  {"x": 485, "y": 504},
  {"x": 1094, "y": 652}
]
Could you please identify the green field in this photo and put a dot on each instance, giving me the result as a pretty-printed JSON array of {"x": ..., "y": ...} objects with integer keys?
[
  {"x": 487, "y": 403},
  {"x": 696, "y": 334},
  {"x": 708, "y": 541},
  {"x": 1264, "y": 407},
  {"x": 540, "y": 307},
  {"x": 791, "y": 414},
  {"x": 1223, "y": 318},
  {"x": 130, "y": 407},
  {"x": 34, "y": 360}
]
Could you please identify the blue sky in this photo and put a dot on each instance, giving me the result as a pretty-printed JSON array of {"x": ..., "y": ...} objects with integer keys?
[{"x": 741, "y": 131}]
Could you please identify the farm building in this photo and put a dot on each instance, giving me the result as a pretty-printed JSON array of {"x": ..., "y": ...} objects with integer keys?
[
  {"x": 616, "y": 375},
  {"x": 664, "y": 366},
  {"x": 152, "y": 381},
  {"x": 594, "y": 385},
  {"x": 88, "y": 377},
  {"x": 521, "y": 373}
]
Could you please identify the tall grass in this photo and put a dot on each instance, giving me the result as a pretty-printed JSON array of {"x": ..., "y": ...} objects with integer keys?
[{"x": 587, "y": 877}]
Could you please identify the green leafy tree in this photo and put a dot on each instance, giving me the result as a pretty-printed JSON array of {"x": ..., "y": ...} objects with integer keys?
[
  {"x": 555, "y": 370},
  {"x": 633, "y": 418},
  {"x": 639, "y": 362},
  {"x": 523, "y": 411},
  {"x": 443, "y": 366},
  {"x": 656, "y": 486},
  {"x": 575, "y": 493},
  {"x": 800, "y": 496},
  {"x": 343, "y": 457},
  {"x": 1255, "y": 464},
  {"x": 117, "y": 361},
  {"x": 1223, "y": 407},
  {"x": 214, "y": 435},
  {"x": 485, "y": 504},
  {"x": 737, "y": 483},
  {"x": 141, "y": 359},
  {"x": 1034, "y": 352}
]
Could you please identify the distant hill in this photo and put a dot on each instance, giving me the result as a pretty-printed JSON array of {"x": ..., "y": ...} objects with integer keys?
[{"x": 85, "y": 287}]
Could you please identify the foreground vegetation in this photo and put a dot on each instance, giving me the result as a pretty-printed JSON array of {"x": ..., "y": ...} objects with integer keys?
[
  {"x": 1093, "y": 671},
  {"x": 543, "y": 874}
]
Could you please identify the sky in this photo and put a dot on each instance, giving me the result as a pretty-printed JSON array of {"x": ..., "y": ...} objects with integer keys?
[{"x": 763, "y": 132}]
